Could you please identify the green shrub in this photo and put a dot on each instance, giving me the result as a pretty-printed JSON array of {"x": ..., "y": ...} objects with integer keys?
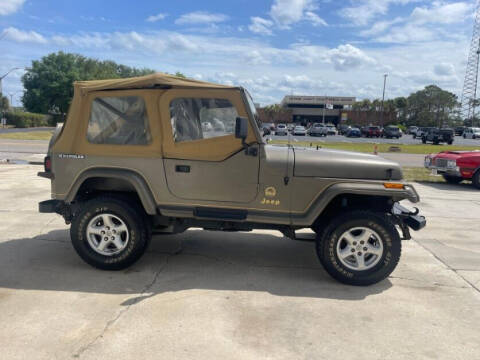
[{"x": 26, "y": 119}]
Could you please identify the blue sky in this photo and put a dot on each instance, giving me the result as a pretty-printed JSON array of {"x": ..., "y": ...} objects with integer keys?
[{"x": 272, "y": 47}]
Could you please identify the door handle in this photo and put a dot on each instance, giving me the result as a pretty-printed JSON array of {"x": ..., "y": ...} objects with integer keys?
[{"x": 182, "y": 168}]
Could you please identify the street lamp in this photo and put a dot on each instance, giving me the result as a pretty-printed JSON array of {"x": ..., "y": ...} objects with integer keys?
[
  {"x": 11, "y": 96},
  {"x": 383, "y": 97},
  {"x": 5, "y": 75}
]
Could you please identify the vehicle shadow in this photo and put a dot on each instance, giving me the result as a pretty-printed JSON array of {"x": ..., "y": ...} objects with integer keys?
[{"x": 195, "y": 259}]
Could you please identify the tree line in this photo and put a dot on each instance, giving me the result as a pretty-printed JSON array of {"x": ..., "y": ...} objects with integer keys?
[{"x": 431, "y": 106}]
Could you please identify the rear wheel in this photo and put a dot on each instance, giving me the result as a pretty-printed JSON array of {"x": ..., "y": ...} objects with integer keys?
[
  {"x": 452, "y": 179},
  {"x": 359, "y": 248},
  {"x": 110, "y": 233}
]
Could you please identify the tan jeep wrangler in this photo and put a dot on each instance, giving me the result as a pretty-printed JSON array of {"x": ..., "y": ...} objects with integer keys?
[{"x": 160, "y": 154}]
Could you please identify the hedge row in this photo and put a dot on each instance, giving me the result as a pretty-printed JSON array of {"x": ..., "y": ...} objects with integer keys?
[{"x": 26, "y": 119}]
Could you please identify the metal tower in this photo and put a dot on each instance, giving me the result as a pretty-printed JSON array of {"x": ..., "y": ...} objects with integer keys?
[{"x": 469, "y": 94}]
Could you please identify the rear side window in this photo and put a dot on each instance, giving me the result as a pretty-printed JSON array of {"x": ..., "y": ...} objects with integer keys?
[
  {"x": 201, "y": 118},
  {"x": 118, "y": 120}
]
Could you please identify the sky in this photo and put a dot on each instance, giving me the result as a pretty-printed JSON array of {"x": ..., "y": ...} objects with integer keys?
[{"x": 271, "y": 47}]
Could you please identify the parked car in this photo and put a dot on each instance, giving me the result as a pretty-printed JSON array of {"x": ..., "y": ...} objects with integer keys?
[
  {"x": 343, "y": 128},
  {"x": 392, "y": 132},
  {"x": 299, "y": 130},
  {"x": 456, "y": 166},
  {"x": 459, "y": 130},
  {"x": 353, "y": 132},
  {"x": 437, "y": 136},
  {"x": 318, "y": 129},
  {"x": 281, "y": 130},
  {"x": 120, "y": 173},
  {"x": 290, "y": 127},
  {"x": 420, "y": 132},
  {"x": 471, "y": 133},
  {"x": 331, "y": 129},
  {"x": 371, "y": 131},
  {"x": 412, "y": 130}
]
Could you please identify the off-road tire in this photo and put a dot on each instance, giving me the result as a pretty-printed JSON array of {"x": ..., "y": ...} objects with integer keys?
[
  {"x": 476, "y": 179},
  {"x": 326, "y": 244},
  {"x": 452, "y": 179},
  {"x": 130, "y": 213}
]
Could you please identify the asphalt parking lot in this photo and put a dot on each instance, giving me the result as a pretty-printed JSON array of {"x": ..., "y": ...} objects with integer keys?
[{"x": 210, "y": 295}]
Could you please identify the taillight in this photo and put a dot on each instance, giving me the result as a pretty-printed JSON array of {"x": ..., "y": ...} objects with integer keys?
[{"x": 47, "y": 164}]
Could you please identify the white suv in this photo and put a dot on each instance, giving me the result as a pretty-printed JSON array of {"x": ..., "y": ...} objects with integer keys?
[{"x": 471, "y": 133}]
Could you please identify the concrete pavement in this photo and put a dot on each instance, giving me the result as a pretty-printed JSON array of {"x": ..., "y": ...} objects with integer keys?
[{"x": 208, "y": 295}]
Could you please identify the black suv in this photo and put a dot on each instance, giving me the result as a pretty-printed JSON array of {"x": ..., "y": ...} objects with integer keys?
[
  {"x": 437, "y": 136},
  {"x": 392, "y": 132}
]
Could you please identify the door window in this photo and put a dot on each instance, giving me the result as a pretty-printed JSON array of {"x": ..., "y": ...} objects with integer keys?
[{"x": 201, "y": 118}]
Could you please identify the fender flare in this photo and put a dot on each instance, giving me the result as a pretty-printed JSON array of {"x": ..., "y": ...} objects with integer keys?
[
  {"x": 348, "y": 188},
  {"x": 132, "y": 177}
]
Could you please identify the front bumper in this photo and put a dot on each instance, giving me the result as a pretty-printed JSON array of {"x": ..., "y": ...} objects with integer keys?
[
  {"x": 407, "y": 219},
  {"x": 50, "y": 206},
  {"x": 441, "y": 170}
]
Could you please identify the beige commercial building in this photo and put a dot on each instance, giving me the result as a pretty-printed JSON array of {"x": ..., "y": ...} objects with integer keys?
[{"x": 309, "y": 109}]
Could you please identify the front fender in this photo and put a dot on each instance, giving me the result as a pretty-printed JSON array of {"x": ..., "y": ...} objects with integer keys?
[{"x": 351, "y": 188}]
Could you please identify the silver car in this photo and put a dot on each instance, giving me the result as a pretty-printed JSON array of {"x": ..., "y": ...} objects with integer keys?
[
  {"x": 318, "y": 129},
  {"x": 299, "y": 130}
]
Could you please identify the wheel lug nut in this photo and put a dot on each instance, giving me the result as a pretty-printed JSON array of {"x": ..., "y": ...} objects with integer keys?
[
  {"x": 106, "y": 238},
  {"x": 108, "y": 228},
  {"x": 359, "y": 253},
  {"x": 113, "y": 237},
  {"x": 365, "y": 249},
  {"x": 362, "y": 242},
  {"x": 103, "y": 232},
  {"x": 354, "y": 243},
  {"x": 353, "y": 250},
  {"x": 113, "y": 231}
]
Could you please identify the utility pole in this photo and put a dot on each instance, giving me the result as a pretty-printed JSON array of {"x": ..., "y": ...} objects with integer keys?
[{"x": 383, "y": 97}]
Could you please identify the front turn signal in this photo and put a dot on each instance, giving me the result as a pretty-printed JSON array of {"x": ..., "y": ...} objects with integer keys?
[{"x": 398, "y": 186}]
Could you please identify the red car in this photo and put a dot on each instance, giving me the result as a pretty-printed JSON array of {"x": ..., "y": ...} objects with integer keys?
[
  {"x": 371, "y": 131},
  {"x": 456, "y": 166}
]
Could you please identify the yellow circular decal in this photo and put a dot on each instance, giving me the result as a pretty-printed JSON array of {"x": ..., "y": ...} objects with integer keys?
[{"x": 270, "y": 191}]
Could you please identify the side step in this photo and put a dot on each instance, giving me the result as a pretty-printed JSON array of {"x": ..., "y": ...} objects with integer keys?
[{"x": 290, "y": 233}]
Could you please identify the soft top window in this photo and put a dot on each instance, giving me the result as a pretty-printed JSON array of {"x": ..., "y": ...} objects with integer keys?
[{"x": 118, "y": 120}]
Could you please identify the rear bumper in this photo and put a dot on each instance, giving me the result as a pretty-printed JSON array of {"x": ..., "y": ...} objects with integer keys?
[{"x": 50, "y": 206}]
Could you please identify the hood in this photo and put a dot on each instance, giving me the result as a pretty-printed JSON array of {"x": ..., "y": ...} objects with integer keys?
[
  {"x": 455, "y": 154},
  {"x": 329, "y": 163}
]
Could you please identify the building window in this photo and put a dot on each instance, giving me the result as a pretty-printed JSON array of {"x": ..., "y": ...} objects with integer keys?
[
  {"x": 118, "y": 120},
  {"x": 201, "y": 118}
]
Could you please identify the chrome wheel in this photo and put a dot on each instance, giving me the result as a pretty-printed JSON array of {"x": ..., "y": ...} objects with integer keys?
[
  {"x": 359, "y": 248},
  {"x": 107, "y": 234}
]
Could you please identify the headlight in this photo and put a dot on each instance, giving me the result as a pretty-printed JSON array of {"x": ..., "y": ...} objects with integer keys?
[{"x": 451, "y": 163}]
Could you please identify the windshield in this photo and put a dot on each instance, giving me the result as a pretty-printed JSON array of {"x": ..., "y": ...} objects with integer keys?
[{"x": 251, "y": 105}]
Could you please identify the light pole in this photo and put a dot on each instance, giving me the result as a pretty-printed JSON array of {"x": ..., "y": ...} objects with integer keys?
[
  {"x": 383, "y": 97},
  {"x": 5, "y": 75},
  {"x": 12, "y": 95}
]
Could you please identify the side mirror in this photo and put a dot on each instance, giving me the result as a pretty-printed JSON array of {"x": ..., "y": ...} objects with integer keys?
[{"x": 241, "y": 128}]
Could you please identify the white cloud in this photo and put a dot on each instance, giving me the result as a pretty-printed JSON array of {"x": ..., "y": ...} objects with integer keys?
[
  {"x": 315, "y": 19},
  {"x": 364, "y": 11},
  {"x": 8, "y": 7},
  {"x": 17, "y": 35},
  {"x": 260, "y": 25},
  {"x": 379, "y": 27},
  {"x": 201, "y": 17},
  {"x": 442, "y": 13},
  {"x": 408, "y": 34},
  {"x": 287, "y": 12},
  {"x": 444, "y": 69},
  {"x": 347, "y": 57},
  {"x": 155, "y": 18}
]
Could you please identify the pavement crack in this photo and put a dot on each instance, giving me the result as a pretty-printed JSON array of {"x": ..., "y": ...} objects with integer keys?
[
  {"x": 472, "y": 285},
  {"x": 423, "y": 282},
  {"x": 127, "y": 304}
]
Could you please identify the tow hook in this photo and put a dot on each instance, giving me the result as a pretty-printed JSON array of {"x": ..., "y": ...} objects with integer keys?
[{"x": 408, "y": 219}]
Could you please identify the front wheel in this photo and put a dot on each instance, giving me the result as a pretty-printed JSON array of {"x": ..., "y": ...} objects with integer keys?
[
  {"x": 359, "y": 248},
  {"x": 110, "y": 233}
]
